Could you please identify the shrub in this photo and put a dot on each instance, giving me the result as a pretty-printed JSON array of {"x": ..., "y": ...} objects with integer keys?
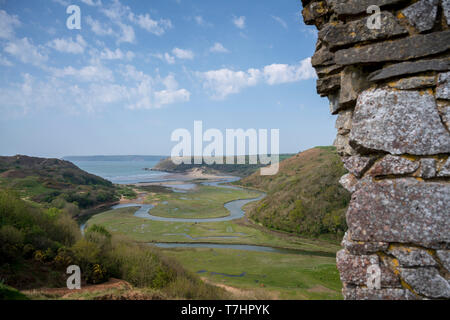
[{"x": 11, "y": 242}]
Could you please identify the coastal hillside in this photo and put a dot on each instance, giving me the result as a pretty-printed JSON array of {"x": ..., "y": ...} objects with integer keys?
[
  {"x": 37, "y": 245},
  {"x": 54, "y": 182},
  {"x": 239, "y": 170},
  {"x": 305, "y": 196}
]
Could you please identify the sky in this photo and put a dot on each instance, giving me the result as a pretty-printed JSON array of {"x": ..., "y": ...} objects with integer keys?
[{"x": 137, "y": 70}]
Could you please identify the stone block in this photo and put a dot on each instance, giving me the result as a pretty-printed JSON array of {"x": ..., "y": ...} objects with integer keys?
[
  {"x": 357, "y": 165},
  {"x": 396, "y": 50},
  {"x": 398, "y": 122},
  {"x": 422, "y": 14},
  {"x": 403, "y": 210},
  {"x": 356, "y": 31},
  {"x": 428, "y": 168},
  {"x": 393, "y": 165},
  {"x": 407, "y": 68},
  {"x": 412, "y": 257},
  {"x": 426, "y": 281}
]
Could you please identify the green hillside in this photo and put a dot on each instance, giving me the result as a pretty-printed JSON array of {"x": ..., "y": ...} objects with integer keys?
[
  {"x": 305, "y": 196},
  {"x": 37, "y": 245},
  {"x": 54, "y": 182}
]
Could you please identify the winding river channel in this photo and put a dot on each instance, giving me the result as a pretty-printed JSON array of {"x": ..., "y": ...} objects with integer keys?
[{"x": 235, "y": 210}]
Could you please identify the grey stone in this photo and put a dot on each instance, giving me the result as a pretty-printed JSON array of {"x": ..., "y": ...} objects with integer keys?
[
  {"x": 327, "y": 85},
  {"x": 426, "y": 281},
  {"x": 342, "y": 145},
  {"x": 328, "y": 70},
  {"x": 313, "y": 11},
  {"x": 443, "y": 88},
  {"x": 444, "y": 171},
  {"x": 353, "y": 269},
  {"x": 446, "y": 10},
  {"x": 362, "y": 248},
  {"x": 396, "y": 50},
  {"x": 413, "y": 257},
  {"x": 344, "y": 122},
  {"x": 414, "y": 83},
  {"x": 357, "y": 165},
  {"x": 422, "y": 14},
  {"x": 357, "y": 31},
  {"x": 382, "y": 294},
  {"x": 353, "y": 82},
  {"x": 322, "y": 56},
  {"x": 399, "y": 122},
  {"x": 352, "y": 7},
  {"x": 406, "y": 68},
  {"x": 444, "y": 256},
  {"x": 393, "y": 165},
  {"x": 333, "y": 98},
  {"x": 403, "y": 210},
  {"x": 427, "y": 168},
  {"x": 444, "y": 111},
  {"x": 349, "y": 182}
]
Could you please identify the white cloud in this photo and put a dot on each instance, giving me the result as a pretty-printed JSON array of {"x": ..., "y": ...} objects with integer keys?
[
  {"x": 121, "y": 15},
  {"x": 91, "y": 89},
  {"x": 201, "y": 21},
  {"x": 68, "y": 45},
  {"x": 284, "y": 73},
  {"x": 280, "y": 21},
  {"x": 98, "y": 28},
  {"x": 224, "y": 82},
  {"x": 25, "y": 51},
  {"x": 218, "y": 48},
  {"x": 7, "y": 25},
  {"x": 117, "y": 54},
  {"x": 97, "y": 3},
  {"x": 239, "y": 22},
  {"x": 153, "y": 26},
  {"x": 64, "y": 3},
  {"x": 164, "y": 97},
  {"x": 91, "y": 73},
  {"x": 144, "y": 94},
  {"x": 183, "y": 54},
  {"x": 5, "y": 62},
  {"x": 127, "y": 34},
  {"x": 169, "y": 58}
]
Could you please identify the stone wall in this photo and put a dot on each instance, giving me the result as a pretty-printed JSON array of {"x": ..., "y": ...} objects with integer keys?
[{"x": 390, "y": 88}]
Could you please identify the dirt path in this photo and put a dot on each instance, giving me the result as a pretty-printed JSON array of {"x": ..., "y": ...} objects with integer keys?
[
  {"x": 66, "y": 293},
  {"x": 245, "y": 294}
]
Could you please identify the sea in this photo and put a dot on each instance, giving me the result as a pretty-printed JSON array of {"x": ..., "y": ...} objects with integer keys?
[{"x": 122, "y": 170}]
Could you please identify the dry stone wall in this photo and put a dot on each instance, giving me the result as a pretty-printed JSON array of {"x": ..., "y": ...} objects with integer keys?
[{"x": 390, "y": 87}]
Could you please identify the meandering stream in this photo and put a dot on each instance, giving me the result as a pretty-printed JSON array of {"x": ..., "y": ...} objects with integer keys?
[
  {"x": 234, "y": 207},
  {"x": 236, "y": 212}
]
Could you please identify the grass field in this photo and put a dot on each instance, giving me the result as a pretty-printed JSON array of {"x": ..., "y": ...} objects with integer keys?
[
  {"x": 259, "y": 275},
  {"x": 202, "y": 202},
  {"x": 142, "y": 230},
  {"x": 269, "y": 275}
]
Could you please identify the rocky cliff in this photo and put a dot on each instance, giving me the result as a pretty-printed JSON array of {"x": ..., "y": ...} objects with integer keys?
[{"x": 384, "y": 65}]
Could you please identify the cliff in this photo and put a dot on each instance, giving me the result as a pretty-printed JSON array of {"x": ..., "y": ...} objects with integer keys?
[{"x": 385, "y": 70}]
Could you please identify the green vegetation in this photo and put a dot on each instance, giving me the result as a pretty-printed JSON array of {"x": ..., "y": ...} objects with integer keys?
[
  {"x": 202, "y": 202},
  {"x": 36, "y": 246},
  {"x": 122, "y": 221},
  {"x": 305, "y": 197},
  {"x": 240, "y": 170},
  {"x": 54, "y": 183},
  {"x": 283, "y": 276},
  {"x": 9, "y": 293},
  {"x": 127, "y": 192}
]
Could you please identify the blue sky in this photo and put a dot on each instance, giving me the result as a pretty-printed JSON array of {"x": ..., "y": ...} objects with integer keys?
[{"x": 137, "y": 70}]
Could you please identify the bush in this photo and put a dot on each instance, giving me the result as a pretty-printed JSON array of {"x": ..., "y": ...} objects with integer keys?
[{"x": 11, "y": 242}]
